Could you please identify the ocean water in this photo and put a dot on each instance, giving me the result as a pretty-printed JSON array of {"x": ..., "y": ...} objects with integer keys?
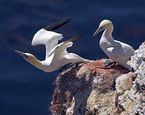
[{"x": 26, "y": 90}]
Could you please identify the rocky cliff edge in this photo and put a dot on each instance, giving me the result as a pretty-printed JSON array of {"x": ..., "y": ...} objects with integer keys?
[{"x": 88, "y": 90}]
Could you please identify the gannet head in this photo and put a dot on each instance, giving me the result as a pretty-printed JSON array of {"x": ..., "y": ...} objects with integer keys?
[
  {"x": 103, "y": 25},
  {"x": 27, "y": 56}
]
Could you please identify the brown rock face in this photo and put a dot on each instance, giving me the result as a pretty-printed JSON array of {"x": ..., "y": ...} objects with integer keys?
[
  {"x": 88, "y": 90},
  {"x": 75, "y": 85}
]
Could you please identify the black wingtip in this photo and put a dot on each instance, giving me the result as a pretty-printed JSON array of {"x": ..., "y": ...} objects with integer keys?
[
  {"x": 74, "y": 38},
  {"x": 55, "y": 26},
  {"x": 68, "y": 20}
]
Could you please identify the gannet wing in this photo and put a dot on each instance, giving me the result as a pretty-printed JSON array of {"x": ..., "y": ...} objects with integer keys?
[
  {"x": 53, "y": 50},
  {"x": 128, "y": 50},
  {"x": 43, "y": 36},
  {"x": 120, "y": 52},
  {"x": 55, "y": 26},
  {"x": 63, "y": 46},
  {"x": 47, "y": 37}
]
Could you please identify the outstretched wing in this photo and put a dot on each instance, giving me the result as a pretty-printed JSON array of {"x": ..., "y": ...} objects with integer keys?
[
  {"x": 61, "y": 48},
  {"x": 47, "y": 37}
]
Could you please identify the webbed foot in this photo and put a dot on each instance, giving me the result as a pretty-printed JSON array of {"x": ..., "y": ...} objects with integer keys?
[{"x": 107, "y": 63}]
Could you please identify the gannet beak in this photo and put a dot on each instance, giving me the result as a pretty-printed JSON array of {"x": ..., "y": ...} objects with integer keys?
[
  {"x": 97, "y": 31},
  {"x": 21, "y": 54}
]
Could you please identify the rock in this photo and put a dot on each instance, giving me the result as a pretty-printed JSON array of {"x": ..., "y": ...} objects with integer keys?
[
  {"x": 88, "y": 90},
  {"x": 123, "y": 83}
]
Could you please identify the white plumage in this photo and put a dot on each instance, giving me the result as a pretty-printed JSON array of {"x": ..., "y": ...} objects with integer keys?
[
  {"x": 48, "y": 38},
  {"x": 56, "y": 54},
  {"x": 117, "y": 51}
]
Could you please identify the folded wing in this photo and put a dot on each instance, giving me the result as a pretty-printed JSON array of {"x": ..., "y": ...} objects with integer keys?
[{"x": 122, "y": 52}]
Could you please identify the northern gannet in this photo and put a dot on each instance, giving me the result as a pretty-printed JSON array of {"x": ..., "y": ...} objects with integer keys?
[
  {"x": 117, "y": 51},
  {"x": 56, "y": 54}
]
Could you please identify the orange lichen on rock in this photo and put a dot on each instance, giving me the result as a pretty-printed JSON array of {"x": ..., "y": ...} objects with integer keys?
[
  {"x": 108, "y": 75},
  {"x": 88, "y": 90},
  {"x": 79, "y": 81},
  {"x": 92, "y": 66}
]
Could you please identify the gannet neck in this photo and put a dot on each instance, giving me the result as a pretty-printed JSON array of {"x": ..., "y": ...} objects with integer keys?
[
  {"x": 34, "y": 61},
  {"x": 107, "y": 34},
  {"x": 42, "y": 65},
  {"x": 108, "y": 30}
]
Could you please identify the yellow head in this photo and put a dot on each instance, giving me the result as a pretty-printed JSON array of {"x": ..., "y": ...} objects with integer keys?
[
  {"x": 28, "y": 57},
  {"x": 103, "y": 25}
]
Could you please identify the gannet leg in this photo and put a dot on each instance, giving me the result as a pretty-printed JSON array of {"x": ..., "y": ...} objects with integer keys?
[
  {"x": 69, "y": 64},
  {"x": 107, "y": 63},
  {"x": 76, "y": 64},
  {"x": 63, "y": 67}
]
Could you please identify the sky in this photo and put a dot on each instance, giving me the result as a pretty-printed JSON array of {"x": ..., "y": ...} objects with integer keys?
[{"x": 28, "y": 90}]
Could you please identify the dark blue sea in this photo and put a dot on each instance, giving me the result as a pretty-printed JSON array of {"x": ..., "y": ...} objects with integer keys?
[{"x": 26, "y": 90}]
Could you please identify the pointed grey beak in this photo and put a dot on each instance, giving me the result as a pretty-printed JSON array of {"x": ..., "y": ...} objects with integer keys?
[
  {"x": 21, "y": 54},
  {"x": 97, "y": 31}
]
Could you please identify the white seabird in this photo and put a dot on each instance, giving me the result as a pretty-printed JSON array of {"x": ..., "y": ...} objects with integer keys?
[
  {"x": 56, "y": 54},
  {"x": 117, "y": 51}
]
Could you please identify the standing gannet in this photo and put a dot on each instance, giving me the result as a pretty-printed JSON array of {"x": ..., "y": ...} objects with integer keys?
[
  {"x": 56, "y": 54},
  {"x": 117, "y": 51}
]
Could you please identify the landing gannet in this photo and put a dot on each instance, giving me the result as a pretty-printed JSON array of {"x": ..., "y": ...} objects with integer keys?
[
  {"x": 56, "y": 54},
  {"x": 117, "y": 51}
]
